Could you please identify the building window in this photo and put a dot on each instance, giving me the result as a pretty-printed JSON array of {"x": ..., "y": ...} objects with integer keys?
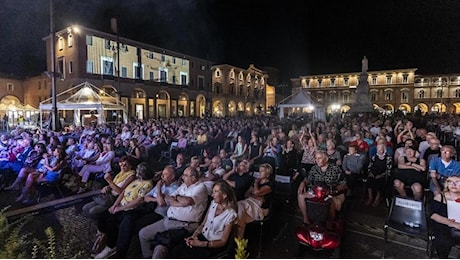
[
  {"x": 184, "y": 62},
  {"x": 388, "y": 96},
  {"x": 201, "y": 83},
  {"x": 217, "y": 73},
  {"x": 89, "y": 66},
  {"x": 240, "y": 76},
  {"x": 332, "y": 97},
  {"x": 138, "y": 72},
  {"x": 174, "y": 60},
  {"x": 39, "y": 85},
  {"x": 60, "y": 66},
  {"x": 248, "y": 78},
  {"x": 374, "y": 81},
  {"x": 457, "y": 93},
  {"x": 163, "y": 75},
  {"x": 388, "y": 80},
  {"x": 405, "y": 79},
  {"x": 9, "y": 87},
  {"x": 320, "y": 83},
  {"x": 217, "y": 89},
  {"x": 183, "y": 79},
  {"x": 373, "y": 96},
  {"x": 89, "y": 40},
  {"x": 346, "y": 98},
  {"x": 70, "y": 67},
  {"x": 421, "y": 94},
  {"x": 404, "y": 97},
  {"x": 124, "y": 72},
  {"x": 345, "y": 81},
  {"x": 151, "y": 76},
  {"x": 240, "y": 90},
  {"x": 107, "y": 44},
  {"x": 332, "y": 82},
  {"x": 163, "y": 58},
  {"x": 107, "y": 66},
  {"x": 174, "y": 79},
  {"x": 69, "y": 40},
  {"x": 439, "y": 93},
  {"x": 60, "y": 43},
  {"x": 232, "y": 74}
]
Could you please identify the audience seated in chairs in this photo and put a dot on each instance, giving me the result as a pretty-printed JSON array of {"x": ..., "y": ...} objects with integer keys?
[
  {"x": 110, "y": 192},
  {"x": 32, "y": 164},
  {"x": 241, "y": 150},
  {"x": 21, "y": 153},
  {"x": 187, "y": 206},
  {"x": 411, "y": 172},
  {"x": 214, "y": 173},
  {"x": 108, "y": 222},
  {"x": 227, "y": 163},
  {"x": 442, "y": 167},
  {"x": 239, "y": 179},
  {"x": 332, "y": 176},
  {"x": 272, "y": 153},
  {"x": 256, "y": 204},
  {"x": 256, "y": 151},
  {"x": 102, "y": 164},
  {"x": 352, "y": 165},
  {"x": 53, "y": 165},
  {"x": 379, "y": 171},
  {"x": 446, "y": 231},
  {"x": 179, "y": 165},
  {"x": 213, "y": 234},
  {"x": 134, "y": 151}
]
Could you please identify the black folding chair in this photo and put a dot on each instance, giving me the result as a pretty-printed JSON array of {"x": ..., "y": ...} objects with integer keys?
[{"x": 407, "y": 216}]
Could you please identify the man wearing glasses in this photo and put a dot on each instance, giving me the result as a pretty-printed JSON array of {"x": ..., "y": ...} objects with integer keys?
[
  {"x": 443, "y": 167},
  {"x": 186, "y": 207}
]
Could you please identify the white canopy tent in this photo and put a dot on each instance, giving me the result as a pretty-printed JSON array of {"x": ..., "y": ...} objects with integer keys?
[
  {"x": 86, "y": 97},
  {"x": 301, "y": 100}
]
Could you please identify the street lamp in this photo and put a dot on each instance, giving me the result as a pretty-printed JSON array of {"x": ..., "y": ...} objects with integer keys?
[{"x": 54, "y": 113}]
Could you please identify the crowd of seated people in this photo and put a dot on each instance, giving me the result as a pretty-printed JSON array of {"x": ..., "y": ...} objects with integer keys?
[{"x": 213, "y": 153}]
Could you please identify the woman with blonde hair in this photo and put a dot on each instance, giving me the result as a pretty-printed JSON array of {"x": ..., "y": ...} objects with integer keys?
[{"x": 257, "y": 202}]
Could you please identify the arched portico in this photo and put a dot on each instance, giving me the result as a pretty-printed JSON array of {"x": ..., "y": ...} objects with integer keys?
[{"x": 163, "y": 106}]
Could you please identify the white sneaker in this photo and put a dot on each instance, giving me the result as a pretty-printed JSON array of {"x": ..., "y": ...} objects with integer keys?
[{"x": 106, "y": 253}]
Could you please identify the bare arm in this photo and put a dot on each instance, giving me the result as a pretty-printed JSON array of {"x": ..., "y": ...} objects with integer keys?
[{"x": 179, "y": 201}]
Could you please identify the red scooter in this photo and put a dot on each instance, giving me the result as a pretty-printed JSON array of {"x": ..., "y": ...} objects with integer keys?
[{"x": 322, "y": 234}]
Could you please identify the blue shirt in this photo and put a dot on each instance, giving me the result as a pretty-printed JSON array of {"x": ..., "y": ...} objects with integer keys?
[
  {"x": 452, "y": 169},
  {"x": 165, "y": 190}
]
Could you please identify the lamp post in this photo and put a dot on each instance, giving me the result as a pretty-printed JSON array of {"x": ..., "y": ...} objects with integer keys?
[{"x": 54, "y": 113}]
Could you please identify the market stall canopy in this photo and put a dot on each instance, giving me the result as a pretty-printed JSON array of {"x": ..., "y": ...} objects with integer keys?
[{"x": 86, "y": 97}]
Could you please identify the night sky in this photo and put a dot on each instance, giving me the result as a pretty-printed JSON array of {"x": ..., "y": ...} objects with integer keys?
[{"x": 297, "y": 37}]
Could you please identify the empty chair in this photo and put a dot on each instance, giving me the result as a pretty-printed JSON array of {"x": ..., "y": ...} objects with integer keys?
[{"x": 407, "y": 216}]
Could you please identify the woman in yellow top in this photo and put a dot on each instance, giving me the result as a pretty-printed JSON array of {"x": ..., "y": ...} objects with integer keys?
[
  {"x": 110, "y": 192},
  {"x": 109, "y": 221}
]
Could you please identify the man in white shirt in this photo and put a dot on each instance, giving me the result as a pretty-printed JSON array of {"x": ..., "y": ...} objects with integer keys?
[{"x": 186, "y": 208}]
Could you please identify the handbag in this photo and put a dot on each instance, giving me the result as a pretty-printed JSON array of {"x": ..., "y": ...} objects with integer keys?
[
  {"x": 170, "y": 237},
  {"x": 104, "y": 199}
]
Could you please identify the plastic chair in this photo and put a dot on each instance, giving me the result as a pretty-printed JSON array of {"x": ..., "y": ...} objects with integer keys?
[{"x": 407, "y": 216}]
